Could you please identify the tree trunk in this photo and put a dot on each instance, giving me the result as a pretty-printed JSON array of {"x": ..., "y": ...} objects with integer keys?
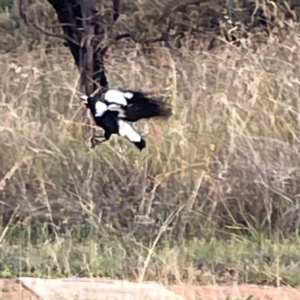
[{"x": 81, "y": 24}]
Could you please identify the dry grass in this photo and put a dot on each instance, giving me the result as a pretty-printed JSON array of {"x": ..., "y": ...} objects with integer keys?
[
  {"x": 227, "y": 163},
  {"x": 233, "y": 135}
]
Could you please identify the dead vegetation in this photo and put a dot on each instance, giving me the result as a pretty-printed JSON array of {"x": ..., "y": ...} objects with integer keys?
[{"x": 227, "y": 163}]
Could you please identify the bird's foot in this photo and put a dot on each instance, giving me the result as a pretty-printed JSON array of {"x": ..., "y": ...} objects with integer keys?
[{"x": 95, "y": 141}]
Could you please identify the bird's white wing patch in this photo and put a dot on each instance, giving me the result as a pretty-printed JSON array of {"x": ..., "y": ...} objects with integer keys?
[
  {"x": 100, "y": 109},
  {"x": 127, "y": 131},
  {"x": 114, "y": 107},
  {"x": 115, "y": 96},
  {"x": 128, "y": 95},
  {"x": 118, "y": 108}
]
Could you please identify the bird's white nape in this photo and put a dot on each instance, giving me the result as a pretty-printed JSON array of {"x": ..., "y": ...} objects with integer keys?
[
  {"x": 100, "y": 109},
  {"x": 116, "y": 97},
  {"x": 127, "y": 131}
]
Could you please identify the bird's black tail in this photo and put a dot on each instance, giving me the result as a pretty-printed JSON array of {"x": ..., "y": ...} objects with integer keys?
[
  {"x": 142, "y": 106},
  {"x": 140, "y": 145}
]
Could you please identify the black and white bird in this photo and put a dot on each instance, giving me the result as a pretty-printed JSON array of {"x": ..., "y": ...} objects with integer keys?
[{"x": 117, "y": 107}]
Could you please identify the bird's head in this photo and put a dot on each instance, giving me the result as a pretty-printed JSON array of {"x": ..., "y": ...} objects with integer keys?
[{"x": 84, "y": 99}]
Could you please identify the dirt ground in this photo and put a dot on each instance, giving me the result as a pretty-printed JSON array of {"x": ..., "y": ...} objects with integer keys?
[
  {"x": 241, "y": 292},
  {"x": 11, "y": 290}
]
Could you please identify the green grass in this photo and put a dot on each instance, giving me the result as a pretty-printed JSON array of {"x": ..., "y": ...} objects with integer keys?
[{"x": 203, "y": 261}]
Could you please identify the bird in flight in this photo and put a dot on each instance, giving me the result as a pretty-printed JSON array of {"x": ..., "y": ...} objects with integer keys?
[{"x": 117, "y": 107}]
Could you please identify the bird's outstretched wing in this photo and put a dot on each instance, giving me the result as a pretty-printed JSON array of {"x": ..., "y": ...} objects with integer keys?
[
  {"x": 142, "y": 106},
  {"x": 132, "y": 105},
  {"x": 135, "y": 105}
]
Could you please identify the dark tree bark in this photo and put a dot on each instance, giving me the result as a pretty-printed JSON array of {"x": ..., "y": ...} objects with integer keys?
[
  {"x": 83, "y": 34},
  {"x": 81, "y": 25}
]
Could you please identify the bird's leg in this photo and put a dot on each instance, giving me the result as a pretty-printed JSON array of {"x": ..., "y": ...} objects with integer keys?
[{"x": 95, "y": 140}]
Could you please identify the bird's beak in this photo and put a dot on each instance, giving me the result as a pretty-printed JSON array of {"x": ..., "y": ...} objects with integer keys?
[{"x": 84, "y": 99}]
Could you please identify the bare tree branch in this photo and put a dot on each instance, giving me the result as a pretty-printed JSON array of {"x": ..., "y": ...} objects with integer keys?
[
  {"x": 56, "y": 35},
  {"x": 117, "y": 38},
  {"x": 164, "y": 37},
  {"x": 60, "y": 36}
]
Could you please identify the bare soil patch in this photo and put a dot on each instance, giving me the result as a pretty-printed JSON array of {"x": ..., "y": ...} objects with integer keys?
[
  {"x": 10, "y": 289},
  {"x": 235, "y": 291}
]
